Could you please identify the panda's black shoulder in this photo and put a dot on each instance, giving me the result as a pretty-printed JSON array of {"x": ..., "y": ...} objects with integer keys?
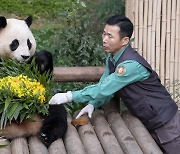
[
  {"x": 57, "y": 110},
  {"x": 45, "y": 54}
]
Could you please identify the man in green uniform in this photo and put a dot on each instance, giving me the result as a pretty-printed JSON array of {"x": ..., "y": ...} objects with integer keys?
[{"x": 129, "y": 76}]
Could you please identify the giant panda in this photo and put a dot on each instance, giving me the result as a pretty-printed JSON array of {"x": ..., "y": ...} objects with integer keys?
[{"x": 17, "y": 42}]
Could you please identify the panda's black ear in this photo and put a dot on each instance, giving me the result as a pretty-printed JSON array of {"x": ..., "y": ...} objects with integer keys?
[
  {"x": 29, "y": 21},
  {"x": 3, "y": 22}
]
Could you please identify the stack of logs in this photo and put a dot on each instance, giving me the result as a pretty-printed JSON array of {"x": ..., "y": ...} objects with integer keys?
[{"x": 108, "y": 131}]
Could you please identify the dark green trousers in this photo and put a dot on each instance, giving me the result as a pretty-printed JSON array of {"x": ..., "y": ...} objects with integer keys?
[{"x": 168, "y": 136}]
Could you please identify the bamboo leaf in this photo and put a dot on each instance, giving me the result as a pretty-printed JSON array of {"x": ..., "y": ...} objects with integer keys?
[
  {"x": 7, "y": 102},
  {"x": 22, "y": 116},
  {"x": 12, "y": 110},
  {"x": 18, "y": 109},
  {"x": 2, "y": 119},
  {"x": 25, "y": 106}
]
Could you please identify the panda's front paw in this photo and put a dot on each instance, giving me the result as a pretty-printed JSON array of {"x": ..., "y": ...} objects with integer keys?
[{"x": 45, "y": 138}]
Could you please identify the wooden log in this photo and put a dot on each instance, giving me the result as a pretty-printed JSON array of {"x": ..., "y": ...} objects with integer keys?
[
  {"x": 57, "y": 147},
  {"x": 19, "y": 145},
  {"x": 78, "y": 74},
  {"x": 36, "y": 146},
  {"x": 72, "y": 141},
  {"x": 120, "y": 130},
  {"x": 122, "y": 133},
  {"x": 90, "y": 140},
  {"x": 105, "y": 134},
  {"x": 140, "y": 133},
  {"x": 6, "y": 149}
]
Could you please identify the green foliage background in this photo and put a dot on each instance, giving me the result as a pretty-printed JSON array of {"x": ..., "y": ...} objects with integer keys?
[{"x": 69, "y": 29}]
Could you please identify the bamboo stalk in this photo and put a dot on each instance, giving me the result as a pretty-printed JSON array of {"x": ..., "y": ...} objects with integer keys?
[
  {"x": 140, "y": 40},
  {"x": 130, "y": 6},
  {"x": 177, "y": 39},
  {"x": 153, "y": 37},
  {"x": 168, "y": 31},
  {"x": 149, "y": 31},
  {"x": 136, "y": 24},
  {"x": 158, "y": 34},
  {"x": 133, "y": 18},
  {"x": 172, "y": 48},
  {"x": 145, "y": 29},
  {"x": 163, "y": 41},
  {"x": 179, "y": 59},
  {"x": 130, "y": 14},
  {"x": 176, "y": 67},
  {"x": 127, "y": 4}
]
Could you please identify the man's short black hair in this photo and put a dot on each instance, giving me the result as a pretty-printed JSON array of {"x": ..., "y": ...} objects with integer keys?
[{"x": 124, "y": 23}]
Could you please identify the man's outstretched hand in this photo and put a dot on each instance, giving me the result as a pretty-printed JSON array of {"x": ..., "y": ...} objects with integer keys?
[
  {"x": 87, "y": 109},
  {"x": 61, "y": 98}
]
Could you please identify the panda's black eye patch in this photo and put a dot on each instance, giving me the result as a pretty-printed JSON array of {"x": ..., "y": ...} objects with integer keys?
[
  {"x": 29, "y": 44},
  {"x": 14, "y": 45}
]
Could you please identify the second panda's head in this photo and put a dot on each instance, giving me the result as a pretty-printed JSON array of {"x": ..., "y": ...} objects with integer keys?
[{"x": 16, "y": 39}]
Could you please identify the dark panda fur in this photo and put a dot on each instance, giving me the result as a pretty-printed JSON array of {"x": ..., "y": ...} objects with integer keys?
[
  {"x": 47, "y": 128},
  {"x": 55, "y": 124},
  {"x": 44, "y": 61}
]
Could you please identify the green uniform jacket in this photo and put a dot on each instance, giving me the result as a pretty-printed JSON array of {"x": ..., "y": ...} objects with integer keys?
[{"x": 100, "y": 93}]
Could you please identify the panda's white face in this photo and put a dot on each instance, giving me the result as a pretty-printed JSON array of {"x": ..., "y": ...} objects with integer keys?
[{"x": 16, "y": 40}]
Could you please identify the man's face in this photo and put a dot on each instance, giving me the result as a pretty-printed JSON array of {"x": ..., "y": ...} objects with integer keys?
[{"x": 112, "y": 43}]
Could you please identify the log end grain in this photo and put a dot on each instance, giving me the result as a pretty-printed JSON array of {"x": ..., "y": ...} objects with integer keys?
[{"x": 83, "y": 120}]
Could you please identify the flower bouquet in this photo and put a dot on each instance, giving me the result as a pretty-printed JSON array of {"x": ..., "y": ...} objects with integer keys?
[{"x": 23, "y": 91}]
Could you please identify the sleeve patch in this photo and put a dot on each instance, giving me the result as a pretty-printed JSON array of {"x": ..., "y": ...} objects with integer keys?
[{"x": 120, "y": 70}]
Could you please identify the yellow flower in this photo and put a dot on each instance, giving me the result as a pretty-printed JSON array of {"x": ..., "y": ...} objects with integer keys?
[{"x": 22, "y": 86}]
